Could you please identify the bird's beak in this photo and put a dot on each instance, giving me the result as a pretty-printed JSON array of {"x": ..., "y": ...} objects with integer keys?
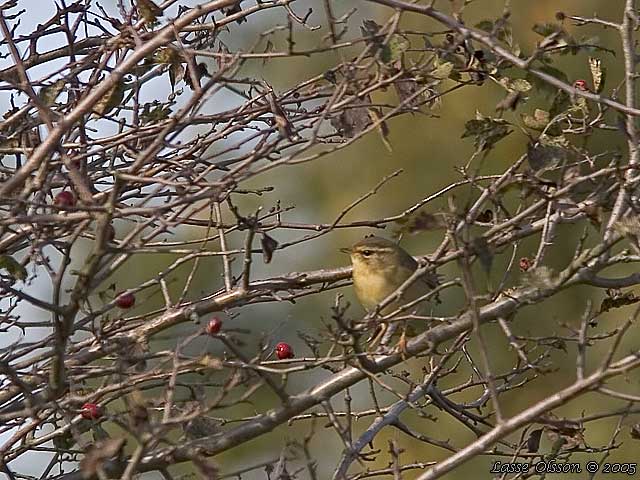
[{"x": 346, "y": 250}]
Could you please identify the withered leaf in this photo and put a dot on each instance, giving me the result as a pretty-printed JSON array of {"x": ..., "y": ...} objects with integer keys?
[
  {"x": 176, "y": 73},
  {"x": 201, "y": 426},
  {"x": 200, "y": 71},
  {"x": 281, "y": 120},
  {"x": 422, "y": 221},
  {"x": 110, "y": 100},
  {"x": 354, "y": 118},
  {"x": 538, "y": 121},
  {"x": 369, "y": 28},
  {"x": 232, "y": 10},
  {"x": 102, "y": 451},
  {"x": 483, "y": 251},
  {"x": 559, "y": 344},
  {"x": 269, "y": 245},
  {"x": 407, "y": 87},
  {"x": 533, "y": 442},
  {"x": 617, "y": 299},
  {"x": 486, "y": 216},
  {"x": 565, "y": 433},
  {"x": 598, "y": 74}
]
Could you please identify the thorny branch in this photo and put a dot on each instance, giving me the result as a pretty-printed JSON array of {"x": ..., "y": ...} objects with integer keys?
[{"x": 101, "y": 173}]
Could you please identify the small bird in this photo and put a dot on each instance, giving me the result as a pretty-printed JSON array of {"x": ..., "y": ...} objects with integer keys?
[{"x": 380, "y": 267}]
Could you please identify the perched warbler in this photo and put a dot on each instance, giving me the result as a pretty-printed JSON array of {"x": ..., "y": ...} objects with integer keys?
[{"x": 380, "y": 267}]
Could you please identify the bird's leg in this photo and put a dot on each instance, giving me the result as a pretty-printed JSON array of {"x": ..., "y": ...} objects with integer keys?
[
  {"x": 390, "y": 330},
  {"x": 402, "y": 342}
]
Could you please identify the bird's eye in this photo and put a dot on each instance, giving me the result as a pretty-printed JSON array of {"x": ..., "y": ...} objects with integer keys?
[{"x": 366, "y": 253}]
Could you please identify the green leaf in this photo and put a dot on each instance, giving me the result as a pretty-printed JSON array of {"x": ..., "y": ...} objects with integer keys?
[
  {"x": 548, "y": 152},
  {"x": 369, "y": 28},
  {"x": 486, "y": 131},
  {"x": 542, "y": 85},
  {"x": 394, "y": 49},
  {"x": 486, "y": 25},
  {"x": 561, "y": 103},
  {"x": 149, "y": 11},
  {"x": 154, "y": 112},
  {"x": 546, "y": 29},
  {"x": 500, "y": 29},
  {"x": 442, "y": 71},
  {"x": 48, "y": 94},
  {"x": 166, "y": 55},
  {"x": 15, "y": 268}
]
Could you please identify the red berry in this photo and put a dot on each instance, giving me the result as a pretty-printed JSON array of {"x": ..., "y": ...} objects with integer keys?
[
  {"x": 65, "y": 199},
  {"x": 126, "y": 300},
  {"x": 284, "y": 351},
  {"x": 581, "y": 85},
  {"x": 214, "y": 326},
  {"x": 525, "y": 264},
  {"x": 91, "y": 411}
]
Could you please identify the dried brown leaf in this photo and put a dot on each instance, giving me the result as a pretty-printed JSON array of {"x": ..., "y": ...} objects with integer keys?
[{"x": 102, "y": 451}]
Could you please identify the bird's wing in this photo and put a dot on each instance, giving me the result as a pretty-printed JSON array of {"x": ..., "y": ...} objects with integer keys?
[{"x": 431, "y": 278}]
